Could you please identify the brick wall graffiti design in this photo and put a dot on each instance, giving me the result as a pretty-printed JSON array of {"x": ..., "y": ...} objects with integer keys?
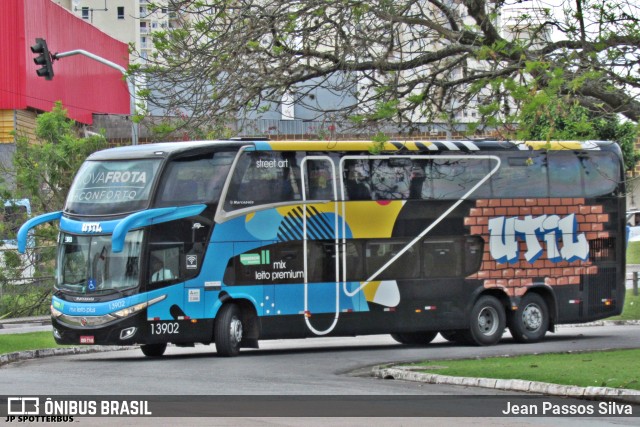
[{"x": 535, "y": 239}]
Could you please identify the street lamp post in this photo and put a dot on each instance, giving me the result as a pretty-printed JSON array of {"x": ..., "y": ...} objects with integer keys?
[{"x": 130, "y": 84}]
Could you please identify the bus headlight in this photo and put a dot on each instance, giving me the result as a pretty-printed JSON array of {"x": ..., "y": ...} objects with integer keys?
[
  {"x": 130, "y": 311},
  {"x": 55, "y": 312}
]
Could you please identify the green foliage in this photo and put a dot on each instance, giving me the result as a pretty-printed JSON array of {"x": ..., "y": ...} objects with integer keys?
[
  {"x": 43, "y": 172},
  {"x": 548, "y": 117},
  {"x": 379, "y": 140},
  {"x": 25, "y": 300},
  {"x": 45, "y": 168}
]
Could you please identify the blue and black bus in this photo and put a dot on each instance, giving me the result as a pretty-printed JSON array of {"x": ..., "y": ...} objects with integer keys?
[{"x": 235, "y": 241}]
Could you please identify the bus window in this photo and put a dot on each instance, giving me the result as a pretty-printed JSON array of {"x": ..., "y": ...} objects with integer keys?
[
  {"x": 111, "y": 187},
  {"x": 390, "y": 179},
  {"x": 163, "y": 263},
  {"x": 442, "y": 258},
  {"x": 262, "y": 178},
  {"x": 565, "y": 175},
  {"x": 452, "y": 179},
  {"x": 378, "y": 253},
  {"x": 321, "y": 261},
  {"x": 357, "y": 182},
  {"x": 195, "y": 179},
  {"x": 601, "y": 174},
  {"x": 319, "y": 180},
  {"x": 521, "y": 175}
]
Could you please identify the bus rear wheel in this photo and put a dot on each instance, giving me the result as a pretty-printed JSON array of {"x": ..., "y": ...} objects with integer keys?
[
  {"x": 488, "y": 321},
  {"x": 415, "y": 338},
  {"x": 529, "y": 323},
  {"x": 153, "y": 350},
  {"x": 228, "y": 331}
]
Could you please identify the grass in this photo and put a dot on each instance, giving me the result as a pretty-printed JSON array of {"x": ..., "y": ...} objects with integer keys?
[
  {"x": 633, "y": 253},
  {"x": 631, "y": 310},
  {"x": 10, "y": 343},
  {"x": 616, "y": 368}
]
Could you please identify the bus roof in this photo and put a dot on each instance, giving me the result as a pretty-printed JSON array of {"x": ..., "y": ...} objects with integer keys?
[{"x": 166, "y": 149}]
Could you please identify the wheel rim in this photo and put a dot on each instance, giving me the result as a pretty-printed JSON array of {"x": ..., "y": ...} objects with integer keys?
[
  {"x": 235, "y": 330},
  {"x": 532, "y": 317},
  {"x": 488, "y": 321}
]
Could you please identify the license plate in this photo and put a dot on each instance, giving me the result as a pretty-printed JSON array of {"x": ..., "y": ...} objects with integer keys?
[{"x": 87, "y": 339}]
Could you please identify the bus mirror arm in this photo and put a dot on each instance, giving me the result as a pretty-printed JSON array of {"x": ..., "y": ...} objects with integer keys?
[
  {"x": 148, "y": 217},
  {"x": 23, "y": 233}
]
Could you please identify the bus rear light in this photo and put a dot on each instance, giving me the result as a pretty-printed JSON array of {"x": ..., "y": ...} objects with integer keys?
[
  {"x": 575, "y": 301},
  {"x": 430, "y": 307},
  {"x": 391, "y": 309},
  {"x": 607, "y": 301}
]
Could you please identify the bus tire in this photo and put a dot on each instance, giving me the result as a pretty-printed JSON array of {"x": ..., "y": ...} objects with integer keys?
[
  {"x": 414, "y": 338},
  {"x": 153, "y": 350},
  {"x": 228, "y": 331},
  {"x": 488, "y": 321},
  {"x": 530, "y": 322}
]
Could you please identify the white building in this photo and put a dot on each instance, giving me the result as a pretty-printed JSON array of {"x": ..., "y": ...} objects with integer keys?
[{"x": 129, "y": 21}]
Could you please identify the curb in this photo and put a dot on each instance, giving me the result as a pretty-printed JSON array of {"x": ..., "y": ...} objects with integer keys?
[
  {"x": 591, "y": 393},
  {"x": 17, "y": 356}
]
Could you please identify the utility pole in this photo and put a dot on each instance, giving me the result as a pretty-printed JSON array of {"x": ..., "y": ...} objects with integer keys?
[
  {"x": 130, "y": 84},
  {"x": 45, "y": 59}
]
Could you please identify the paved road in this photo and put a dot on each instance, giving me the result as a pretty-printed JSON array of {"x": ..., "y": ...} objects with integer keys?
[{"x": 320, "y": 366}]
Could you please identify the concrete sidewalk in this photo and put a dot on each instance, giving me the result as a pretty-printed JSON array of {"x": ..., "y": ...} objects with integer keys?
[{"x": 591, "y": 393}]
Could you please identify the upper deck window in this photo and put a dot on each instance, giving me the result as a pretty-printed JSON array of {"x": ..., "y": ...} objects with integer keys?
[
  {"x": 111, "y": 187},
  {"x": 263, "y": 178},
  {"x": 194, "y": 179}
]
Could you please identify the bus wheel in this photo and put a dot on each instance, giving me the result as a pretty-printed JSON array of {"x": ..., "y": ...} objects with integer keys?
[
  {"x": 529, "y": 323},
  {"x": 488, "y": 321},
  {"x": 228, "y": 331},
  {"x": 153, "y": 350},
  {"x": 415, "y": 338}
]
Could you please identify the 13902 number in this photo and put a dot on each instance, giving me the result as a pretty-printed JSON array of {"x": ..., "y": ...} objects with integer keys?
[{"x": 164, "y": 328}]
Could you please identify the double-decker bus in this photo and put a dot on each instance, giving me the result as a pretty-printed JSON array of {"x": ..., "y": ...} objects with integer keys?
[{"x": 231, "y": 242}]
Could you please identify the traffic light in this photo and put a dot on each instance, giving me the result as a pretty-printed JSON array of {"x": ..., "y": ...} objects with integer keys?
[{"x": 43, "y": 58}]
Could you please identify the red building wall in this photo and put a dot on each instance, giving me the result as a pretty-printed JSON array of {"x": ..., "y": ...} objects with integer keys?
[{"x": 84, "y": 85}]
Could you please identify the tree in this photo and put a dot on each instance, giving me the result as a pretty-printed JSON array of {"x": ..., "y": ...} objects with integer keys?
[
  {"x": 546, "y": 118},
  {"x": 43, "y": 171},
  {"x": 402, "y": 61}
]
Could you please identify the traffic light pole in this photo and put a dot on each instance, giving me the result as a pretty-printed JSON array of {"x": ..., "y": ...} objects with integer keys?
[{"x": 130, "y": 84}]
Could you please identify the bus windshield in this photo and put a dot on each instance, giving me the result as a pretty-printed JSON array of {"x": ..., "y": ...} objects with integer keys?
[
  {"x": 112, "y": 187},
  {"x": 86, "y": 264}
]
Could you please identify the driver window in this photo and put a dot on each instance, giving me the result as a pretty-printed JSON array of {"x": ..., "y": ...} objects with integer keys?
[{"x": 163, "y": 264}]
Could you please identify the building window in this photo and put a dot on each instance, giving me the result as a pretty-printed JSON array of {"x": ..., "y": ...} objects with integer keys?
[
  {"x": 120, "y": 12},
  {"x": 85, "y": 13}
]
